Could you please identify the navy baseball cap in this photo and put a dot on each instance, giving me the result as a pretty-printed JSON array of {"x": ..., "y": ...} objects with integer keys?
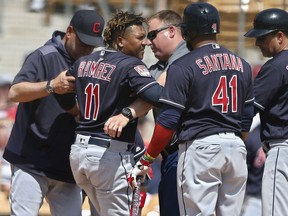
[{"x": 88, "y": 25}]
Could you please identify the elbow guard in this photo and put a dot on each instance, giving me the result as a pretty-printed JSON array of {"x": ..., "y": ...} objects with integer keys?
[
  {"x": 247, "y": 117},
  {"x": 169, "y": 116},
  {"x": 152, "y": 95}
]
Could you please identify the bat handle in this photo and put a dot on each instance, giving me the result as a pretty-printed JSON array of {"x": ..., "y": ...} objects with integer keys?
[{"x": 136, "y": 199}]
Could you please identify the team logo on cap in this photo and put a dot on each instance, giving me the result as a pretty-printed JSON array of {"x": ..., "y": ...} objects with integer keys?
[
  {"x": 214, "y": 28},
  {"x": 97, "y": 27}
]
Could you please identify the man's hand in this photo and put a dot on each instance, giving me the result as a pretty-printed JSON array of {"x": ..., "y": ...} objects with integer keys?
[
  {"x": 140, "y": 170},
  {"x": 115, "y": 124},
  {"x": 260, "y": 158},
  {"x": 63, "y": 84}
]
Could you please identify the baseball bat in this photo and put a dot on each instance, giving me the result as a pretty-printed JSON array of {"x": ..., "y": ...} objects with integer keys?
[{"x": 136, "y": 199}]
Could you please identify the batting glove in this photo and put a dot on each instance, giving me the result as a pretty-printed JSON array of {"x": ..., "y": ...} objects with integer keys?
[{"x": 140, "y": 170}]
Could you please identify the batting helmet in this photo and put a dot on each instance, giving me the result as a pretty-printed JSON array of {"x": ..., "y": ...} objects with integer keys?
[
  {"x": 201, "y": 18},
  {"x": 268, "y": 21}
]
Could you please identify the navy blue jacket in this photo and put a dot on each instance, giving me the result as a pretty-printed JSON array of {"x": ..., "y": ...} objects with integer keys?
[{"x": 43, "y": 132}]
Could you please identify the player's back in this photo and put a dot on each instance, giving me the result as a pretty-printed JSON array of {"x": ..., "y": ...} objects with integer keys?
[
  {"x": 270, "y": 88},
  {"x": 107, "y": 81},
  {"x": 219, "y": 83}
]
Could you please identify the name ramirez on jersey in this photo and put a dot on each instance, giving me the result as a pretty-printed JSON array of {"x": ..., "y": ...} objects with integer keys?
[
  {"x": 103, "y": 71},
  {"x": 97, "y": 70}
]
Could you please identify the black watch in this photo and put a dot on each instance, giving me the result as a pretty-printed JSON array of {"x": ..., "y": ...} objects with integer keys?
[
  {"x": 127, "y": 113},
  {"x": 49, "y": 88}
]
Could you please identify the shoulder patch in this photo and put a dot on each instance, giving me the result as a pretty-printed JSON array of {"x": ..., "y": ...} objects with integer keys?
[{"x": 142, "y": 70}]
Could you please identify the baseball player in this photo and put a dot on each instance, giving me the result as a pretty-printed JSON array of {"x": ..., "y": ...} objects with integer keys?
[
  {"x": 107, "y": 81},
  {"x": 271, "y": 98},
  {"x": 166, "y": 42},
  {"x": 43, "y": 132},
  {"x": 208, "y": 95}
]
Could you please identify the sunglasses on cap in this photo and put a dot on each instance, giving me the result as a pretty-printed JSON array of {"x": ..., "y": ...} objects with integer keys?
[{"x": 153, "y": 34}]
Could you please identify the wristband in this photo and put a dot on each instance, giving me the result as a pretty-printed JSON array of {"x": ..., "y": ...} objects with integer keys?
[
  {"x": 144, "y": 163},
  {"x": 148, "y": 157},
  {"x": 126, "y": 111},
  {"x": 49, "y": 87}
]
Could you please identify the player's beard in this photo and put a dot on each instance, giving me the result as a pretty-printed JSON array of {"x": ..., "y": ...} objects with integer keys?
[{"x": 188, "y": 37}]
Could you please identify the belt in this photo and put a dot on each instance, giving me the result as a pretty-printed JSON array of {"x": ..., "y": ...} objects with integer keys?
[
  {"x": 265, "y": 146},
  {"x": 280, "y": 143},
  {"x": 169, "y": 150},
  {"x": 112, "y": 145},
  {"x": 227, "y": 133},
  {"x": 99, "y": 142}
]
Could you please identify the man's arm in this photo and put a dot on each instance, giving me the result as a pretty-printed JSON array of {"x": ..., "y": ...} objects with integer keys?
[
  {"x": 145, "y": 101},
  {"x": 28, "y": 91},
  {"x": 115, "y": 124},
  {"x": 166, "y": 124}
]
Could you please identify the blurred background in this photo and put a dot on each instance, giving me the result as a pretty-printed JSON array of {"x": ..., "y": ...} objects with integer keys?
[{"x": 27, "y": 24}]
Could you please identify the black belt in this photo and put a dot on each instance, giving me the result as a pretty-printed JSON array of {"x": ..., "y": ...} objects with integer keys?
[
  {"x": 99, "y": 142},
  {"x": 113, "y": 145},
  {"x": 279, "y": 143},
  {"x": 169, "y": 150},
  {"x": 107, "y": 144},
  {"x": 265, "y": 146}
]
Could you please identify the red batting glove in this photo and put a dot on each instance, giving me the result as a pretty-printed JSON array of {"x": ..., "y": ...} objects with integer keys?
[{"x": 140, "y": 169}]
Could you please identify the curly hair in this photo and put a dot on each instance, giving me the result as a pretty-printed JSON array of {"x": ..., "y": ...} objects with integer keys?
[{"x": 117, "y": 25}]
